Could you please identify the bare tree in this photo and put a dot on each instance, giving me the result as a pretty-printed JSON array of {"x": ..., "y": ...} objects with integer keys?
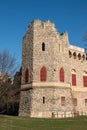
[
  {"x": 8, "y": 93},
  {"x": 7, "y": 63}
]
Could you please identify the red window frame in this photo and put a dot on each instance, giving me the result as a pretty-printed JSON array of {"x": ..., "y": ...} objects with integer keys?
[
  {"x": 74, "y": 79},
  {"x": 43, "y": 74},
  {"x": 61, "y": 75},
  {"x": 85, "y": 81}
]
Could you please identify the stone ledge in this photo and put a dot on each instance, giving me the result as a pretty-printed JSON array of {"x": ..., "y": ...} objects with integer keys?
[
  {"x": 79, "y": 88},
  {"x": 53, "y": 85},
  {"x": 45, "y": 84}
]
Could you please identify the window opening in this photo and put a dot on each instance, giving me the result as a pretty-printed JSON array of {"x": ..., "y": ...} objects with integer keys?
[
  {"x": 26, "y": 75},
  {"x": 62, "y": 101},
  {"x": 43, "y": 46},
  {"x": 70, "y": 54},
  {"x": 85, "y": 102},
  {"x": 79, "y": 56},
  {"x": 43, "y": 100},
  {"x": 75, "y": 101},
  {"x": 74, "y": 55}
]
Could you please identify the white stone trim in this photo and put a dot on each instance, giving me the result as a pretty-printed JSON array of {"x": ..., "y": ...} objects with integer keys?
[
  {"x": 79, "y": 88},
  {"x": 77, "y": 48},
  {"x": 45, "y": 84}
]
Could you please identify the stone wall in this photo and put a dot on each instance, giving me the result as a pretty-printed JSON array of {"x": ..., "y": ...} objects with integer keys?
[
  {"x": 52, "y": 101},
  {"x": 55, "y": 56}
]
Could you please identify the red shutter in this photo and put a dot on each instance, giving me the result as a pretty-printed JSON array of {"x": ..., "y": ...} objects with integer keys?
[
  {"x": 43, "y": 74},
  {"x": 74, "y": 79},
  {"x": 26, "y": 75},
  {"x": 62, "y": 75},
  {"x": 85, "y": 81}
]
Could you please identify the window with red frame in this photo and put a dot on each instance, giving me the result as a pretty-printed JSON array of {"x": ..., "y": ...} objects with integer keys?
[
  {"x": 62, "y": 101},
  {"x": 85, "y": 81},
  {"x": 26, "y": 75},
  {"x": 43, "y": 74},
  {"x": 62, "y": 75},
  {"x": 74, "y": 79}
]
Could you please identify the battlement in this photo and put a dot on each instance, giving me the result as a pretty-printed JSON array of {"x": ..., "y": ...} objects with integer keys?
[{"x": 44, "y": 24}]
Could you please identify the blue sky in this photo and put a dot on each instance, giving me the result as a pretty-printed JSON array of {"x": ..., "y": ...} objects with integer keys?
[{"x": 15, "y": 16}]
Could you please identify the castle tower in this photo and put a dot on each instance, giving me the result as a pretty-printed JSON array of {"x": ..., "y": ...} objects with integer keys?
[{"x": 45, "y": 88}]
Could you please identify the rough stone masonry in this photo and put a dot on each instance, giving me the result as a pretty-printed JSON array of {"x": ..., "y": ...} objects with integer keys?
[{"x": 54, "y": 74}]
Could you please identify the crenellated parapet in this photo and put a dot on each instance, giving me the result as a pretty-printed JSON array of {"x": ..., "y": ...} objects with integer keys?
[{"x": 77, "y": 53}]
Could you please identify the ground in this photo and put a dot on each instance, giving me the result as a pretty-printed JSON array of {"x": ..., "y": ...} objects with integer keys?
[{"x": 22, "y": 123}]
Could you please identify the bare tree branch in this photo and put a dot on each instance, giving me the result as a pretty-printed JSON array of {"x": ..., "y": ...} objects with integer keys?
[{"x": 7, "y": 63}]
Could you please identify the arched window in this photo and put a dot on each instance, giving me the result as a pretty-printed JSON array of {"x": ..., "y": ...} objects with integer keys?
[
  {"x": 26, "y": 75},
  {"x": 79, "y": 56},
  {"x": 62, "y": 75},
  {"x": 86, "y": 56},
  {"x": 43, "y": 74},
  {"x": 74, "y": 77},
  {"x": 70, "y": 54},
  {"x": 85, "y": 79},
  {"x": 74, "y": 55},
  {"x": 83, "y": 57},
  {"x": 43, "y": 46}
]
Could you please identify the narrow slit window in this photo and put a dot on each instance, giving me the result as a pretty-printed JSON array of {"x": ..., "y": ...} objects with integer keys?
[
  {"x": 43, "y": 100},
  {"x": 43, "y": 46},
  {"x": 26, "y": 75}
]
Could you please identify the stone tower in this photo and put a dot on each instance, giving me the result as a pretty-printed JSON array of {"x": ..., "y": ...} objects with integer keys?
[{"x": 46, "y": 89}]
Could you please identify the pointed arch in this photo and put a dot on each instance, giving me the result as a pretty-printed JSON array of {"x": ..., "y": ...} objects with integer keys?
[
  {"x": 79, "y": 56},
  {"x": 83, "y": 57},
  {"x": 26, "y": 75},
  {"x": 43, "y": 74},
  {"x": 70, "y": 54},
  {"x": 61, "y": 74},
  {"x": 73, "y": 77},
  {"x": 74, "y": 55},
  {"x": 85, "y": 78}
]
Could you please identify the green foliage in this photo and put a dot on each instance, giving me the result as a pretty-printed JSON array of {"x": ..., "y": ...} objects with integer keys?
[{"x": 22, "y": 123}]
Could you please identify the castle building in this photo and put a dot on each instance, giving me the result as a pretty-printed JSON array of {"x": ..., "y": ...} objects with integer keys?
[{"x": 54, "y": 74}]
